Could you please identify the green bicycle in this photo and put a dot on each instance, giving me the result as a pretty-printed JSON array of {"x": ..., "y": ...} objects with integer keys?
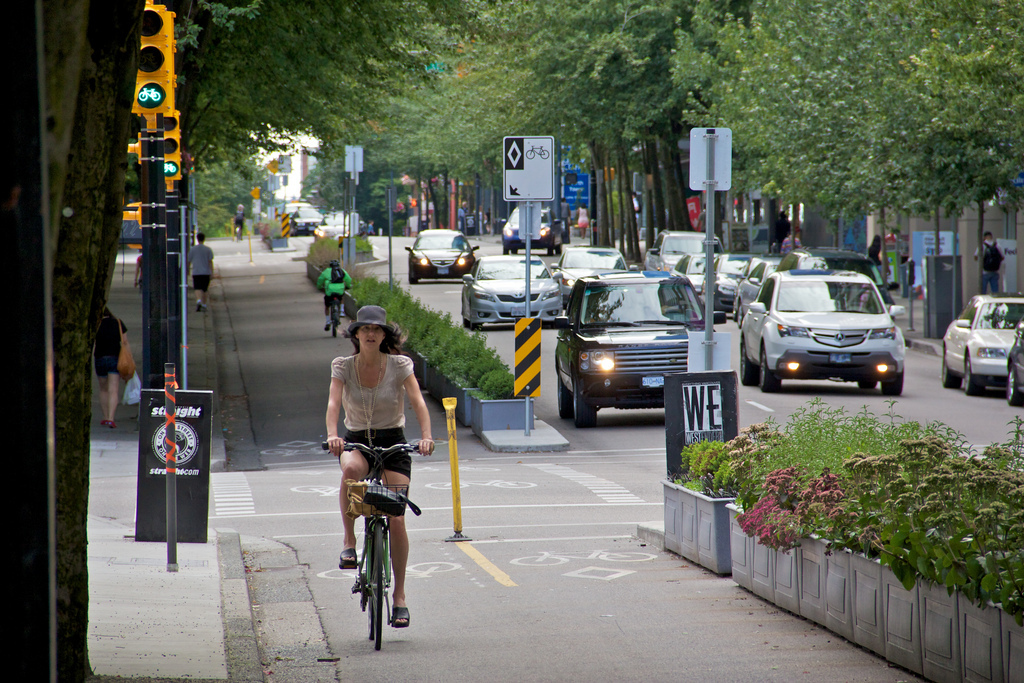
[{"x": 377, "y": 502}]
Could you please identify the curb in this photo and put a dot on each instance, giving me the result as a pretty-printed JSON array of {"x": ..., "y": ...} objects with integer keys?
[
  {"x": 652, "y": 533},
  {"x": 241, "y": 647}
]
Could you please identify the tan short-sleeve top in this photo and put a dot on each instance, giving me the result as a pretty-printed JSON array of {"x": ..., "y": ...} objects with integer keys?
[{"x": 389, "y": 404}]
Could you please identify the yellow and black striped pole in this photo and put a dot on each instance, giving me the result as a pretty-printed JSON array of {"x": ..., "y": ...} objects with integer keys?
[
  {"x": 527, "y": 373},
  {"x": 171, "y": 465},
  {"x": 286, "y": 225}
]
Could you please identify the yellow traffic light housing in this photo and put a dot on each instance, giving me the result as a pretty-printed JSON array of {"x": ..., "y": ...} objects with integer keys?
[
  {"x": 155, "y": 82},
  {"x": 132, "y": 213},
  {"x": 172, "y": 148}
]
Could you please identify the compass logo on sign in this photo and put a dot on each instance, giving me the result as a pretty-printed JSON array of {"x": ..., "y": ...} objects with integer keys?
[{"x": 185, "y": 438}]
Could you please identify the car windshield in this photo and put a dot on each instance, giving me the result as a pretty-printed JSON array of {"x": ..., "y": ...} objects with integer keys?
[
  {"x": 862, "y": 266},
  {"x": 818, "y": 296},
  {"x": 670, "y": 302},
  {"x": 1003, "y": 315},
  {"x": 308, "y": 214},
  {"x": 441, "y": 241},
  {"x": 684, "y": 244},
  {"x": 512, "y": 270},
  {"x": 691, "y": 265},
  {"x": 732, "y": 266},
  {"x": 579, "y": 258},
  {"x": 513, "y": 220}
]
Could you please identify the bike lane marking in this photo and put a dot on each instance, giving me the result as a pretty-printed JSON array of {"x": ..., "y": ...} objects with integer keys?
[{"x": 485, "y": 564}]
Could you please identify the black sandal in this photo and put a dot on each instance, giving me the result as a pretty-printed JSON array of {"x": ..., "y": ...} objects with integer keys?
[
  {"x": 400, "y": 617},
  {"x": 348, "y": 559}
]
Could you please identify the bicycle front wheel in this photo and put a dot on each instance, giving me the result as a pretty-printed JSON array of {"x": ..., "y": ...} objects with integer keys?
[{"x": 376, "y": 572}]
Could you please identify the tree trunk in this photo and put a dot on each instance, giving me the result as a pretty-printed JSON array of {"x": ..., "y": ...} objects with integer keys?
[
  {"x": 673, "y": 198},
  {"x": 657, "y": 199},
  {"x": 981, "y": 250},
  {"x": 83, "y": 266}
]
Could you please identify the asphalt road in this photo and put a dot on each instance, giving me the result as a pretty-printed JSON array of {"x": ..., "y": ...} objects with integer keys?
[{"x": 554, "y": 585}]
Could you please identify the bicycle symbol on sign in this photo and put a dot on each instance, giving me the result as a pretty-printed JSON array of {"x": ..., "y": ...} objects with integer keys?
[
  {"x": 541, "y": 152},
  {"x": 496, "y": 483},
  {"x": 546, "y": 559}
]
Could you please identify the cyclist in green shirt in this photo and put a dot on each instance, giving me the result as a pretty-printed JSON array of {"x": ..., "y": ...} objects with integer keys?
[{"x": 334, "y": 281}]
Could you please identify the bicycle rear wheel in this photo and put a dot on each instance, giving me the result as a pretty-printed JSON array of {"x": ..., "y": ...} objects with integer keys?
[
  {"x": 377, "y": 596},
  {"x": 335, "y": 318}
]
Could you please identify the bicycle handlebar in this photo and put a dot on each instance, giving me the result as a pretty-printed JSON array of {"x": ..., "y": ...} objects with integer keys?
[{"x": 379, "y": 454}]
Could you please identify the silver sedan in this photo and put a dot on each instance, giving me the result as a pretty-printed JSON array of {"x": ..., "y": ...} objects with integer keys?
[{"x": 495, "y": 291}]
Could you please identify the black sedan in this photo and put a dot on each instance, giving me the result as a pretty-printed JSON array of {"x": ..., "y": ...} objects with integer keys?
[{"x": 440, "y": 254}]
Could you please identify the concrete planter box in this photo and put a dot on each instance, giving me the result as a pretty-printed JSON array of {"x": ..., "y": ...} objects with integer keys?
[
  {"x": 787, "y": 582},
  {"x": 1013, "y": 648},
  {"x": 811, "y": 579},
  {"x": 277, "y": 243},
  {"x": 741, "y": 549},
  {"x": 940, "y": 632},
  {"x": 868, "y": 614},
  {"x": 902, "y": 614},
  {"x": 839, "y": 594},
  {"x": 981, "y": 643},
  {"x": 697, "y": 527},
  {"x": 492, "y": 415},
  {"x": 441, "y": 387},
  {"x": 762, "y": 571}
]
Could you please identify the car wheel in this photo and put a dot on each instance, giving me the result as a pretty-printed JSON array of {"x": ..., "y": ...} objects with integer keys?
[
  {"x": 465, "y": 323},
  {"x": 893, "y": 387},
  {"x": 558, "y": 250},
  {"x": 565, "y": 410},
  {"x": 1013, "y": 396},
  {"x": 949, "y": 380},
  {"x": 971, "y": 385},
  {"x": 551, "y": 250},
  {"x": 584, "y": 416},
  {"x": 504, "y": 251},
  {"x": 867, "y": 383},
  {"x": 749, "y": 373},
  {"x": 770, "y": 382},
  {"x": 413, "y": 279}
]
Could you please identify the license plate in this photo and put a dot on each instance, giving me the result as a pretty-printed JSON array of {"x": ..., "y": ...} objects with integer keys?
[
  {"x": 518, "y": 311},
  {"x": 654, "y": 381},
  {"x": 839, "y": 357},
  {"x": 442, "y": 270}
]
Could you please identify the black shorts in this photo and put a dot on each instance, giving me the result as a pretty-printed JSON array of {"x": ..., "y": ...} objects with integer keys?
[
  {"x": 399, "y": 462},
  {"x": 201, "y": 282},
  {"x": 328, "y": 298}
]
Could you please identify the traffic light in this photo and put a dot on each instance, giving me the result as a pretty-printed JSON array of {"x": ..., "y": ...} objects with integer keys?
[
  {"x": 172, "y": 148},
  {"x": 155, "y": 82},
  {"x": 133, "y": 212}
]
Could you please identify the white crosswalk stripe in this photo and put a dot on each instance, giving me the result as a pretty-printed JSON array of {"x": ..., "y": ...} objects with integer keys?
[
  {"x": 607, "y": 490},
  {"x": 232, "y": 496}
]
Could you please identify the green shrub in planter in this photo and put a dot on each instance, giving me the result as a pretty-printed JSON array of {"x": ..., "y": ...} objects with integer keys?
[
  {"x": 322, "y": 252},
  {"x": 707, "y": 468}
]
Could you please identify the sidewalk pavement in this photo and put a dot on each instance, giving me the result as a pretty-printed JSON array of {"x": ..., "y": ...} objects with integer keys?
[{"x": 150, "y": 624}]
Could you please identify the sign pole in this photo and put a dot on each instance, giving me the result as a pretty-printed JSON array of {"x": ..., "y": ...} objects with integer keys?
[
  {"x": 710, "y": 183},
  {"x": 170, "y": 448},
  {"x": 526, "y": 221}
]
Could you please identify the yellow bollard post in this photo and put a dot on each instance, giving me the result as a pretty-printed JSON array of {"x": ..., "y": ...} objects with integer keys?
[{"x": 453, "y": 458}]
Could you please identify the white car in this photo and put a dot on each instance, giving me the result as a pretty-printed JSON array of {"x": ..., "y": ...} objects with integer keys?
[
  {"x": 821, "y": 325},
  {"x": 976, "y": 345},
  {"x": 495, "y": 291}
]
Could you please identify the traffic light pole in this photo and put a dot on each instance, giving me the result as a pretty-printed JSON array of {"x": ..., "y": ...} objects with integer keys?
[
  {"x": 154, "y": 250},
  {"x": 175, "y": 251}
]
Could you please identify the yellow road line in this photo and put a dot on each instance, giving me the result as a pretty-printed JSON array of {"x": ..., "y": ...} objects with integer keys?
[{"x": 485, "y": 564}]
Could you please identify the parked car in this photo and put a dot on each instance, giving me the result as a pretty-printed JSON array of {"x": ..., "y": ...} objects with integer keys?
[
  {"x": 335, "y": 225},
  {"x": 1015, "y": 368},
  {"x": 821, "y": 325},
  {"x": 440, "y": 254},
  {"x": 691, "y": 267},
  {"x": 758, "y": 268},
  {"x": 621, "y": 334},
  {"x": 824, "y": 258},
  {"x": 551, "y": 237},
  {"x": 729, "y": 270},
  {"x": 305, "y": 220},
  {"x": 976, "y": 346},
  {"x": 495, "y": 291},
  {"x": 670, "y": 245},
  {"x": 581, "y": 261}
]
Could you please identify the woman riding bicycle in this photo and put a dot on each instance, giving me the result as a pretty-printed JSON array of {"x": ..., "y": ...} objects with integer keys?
[
  {"x": 372, "y": 386},
  {"x": 334, "y": 281}
]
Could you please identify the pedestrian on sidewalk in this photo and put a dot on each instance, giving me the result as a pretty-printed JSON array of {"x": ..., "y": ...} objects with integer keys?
[
  {"x": 200, "y": 262},
  {"x": 875, "y": 251},
  {"x": 106, "y": 351},
  {"x": 991, "y": 261},
  {"x": 372, "y": 386}
]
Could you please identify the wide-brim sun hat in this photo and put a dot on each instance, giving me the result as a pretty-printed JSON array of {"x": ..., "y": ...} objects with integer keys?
[{"x": 370, "y": 315}]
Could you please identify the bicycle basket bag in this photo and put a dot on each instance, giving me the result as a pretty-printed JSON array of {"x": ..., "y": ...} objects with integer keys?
[{"x": 373, "y": 499}]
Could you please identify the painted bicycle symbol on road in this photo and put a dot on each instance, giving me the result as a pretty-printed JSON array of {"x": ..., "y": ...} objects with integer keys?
[
  {"x": 322, "y": 490},
  {"x": 496, "y": 483},
  {"x": 546, "y": 559}
]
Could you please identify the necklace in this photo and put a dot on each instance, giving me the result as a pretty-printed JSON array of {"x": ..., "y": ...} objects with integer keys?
[{"x": 368, "y": 413}]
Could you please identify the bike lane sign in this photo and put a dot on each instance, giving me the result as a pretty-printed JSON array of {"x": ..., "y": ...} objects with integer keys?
[{"x": 529, "y": 164}]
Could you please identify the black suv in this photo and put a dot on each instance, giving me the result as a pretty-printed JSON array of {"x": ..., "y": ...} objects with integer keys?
[
  {"x": 824, "y": 258},
  {"x": 621, "y": 334}
]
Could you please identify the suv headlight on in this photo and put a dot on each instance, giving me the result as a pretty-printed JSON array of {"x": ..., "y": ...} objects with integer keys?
[
  {"x": 989, "y": 352},
  {"x": 597, "y": 360},
  {"x": 791, "y": 331},
  {"x": 884, "y": 333}
]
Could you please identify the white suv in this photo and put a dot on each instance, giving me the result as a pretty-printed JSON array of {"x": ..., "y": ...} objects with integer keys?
[{"x": 814, "y": 324}]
